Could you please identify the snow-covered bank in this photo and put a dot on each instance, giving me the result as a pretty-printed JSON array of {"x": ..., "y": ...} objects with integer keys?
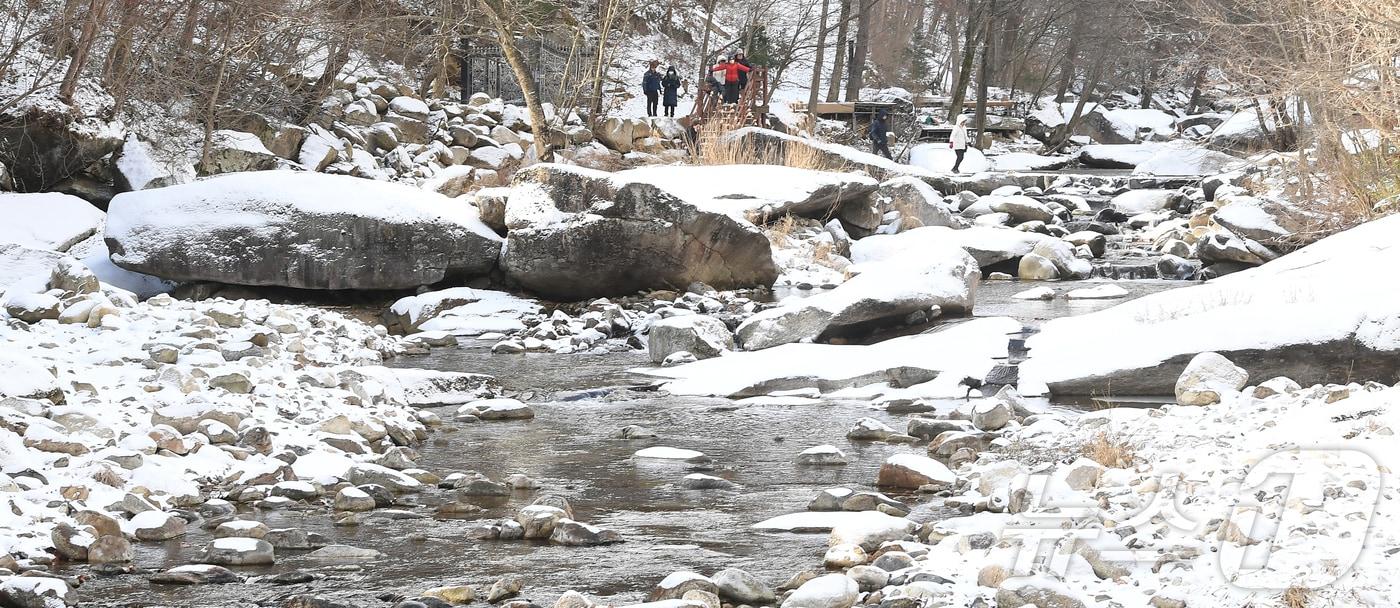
[
  {"x": 929, "y": 365},
  {"x": 132, "y": 409},
  {"x": 1318, "y": 314}
]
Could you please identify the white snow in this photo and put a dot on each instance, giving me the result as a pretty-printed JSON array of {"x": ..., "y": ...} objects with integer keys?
[
  {"x": 1326, "y": 291},
  {"x": 958, "y": 351},
  {"x": 47, "y": 220},
  {"x": 1131, "y": 155},
  {"x": 1187, "y": 160},
  {"x": 939, "y": 158},
  {"x": 263, "y": 200},
  {"x": 1025, "y": 161},
  {"x": 825, "y": 521},
  {"x": 667, "y": 453},
  {"x": 743, "y": 191},
  {"x": 483, "y": 311},
  {"x": 1100, "y": 292}
]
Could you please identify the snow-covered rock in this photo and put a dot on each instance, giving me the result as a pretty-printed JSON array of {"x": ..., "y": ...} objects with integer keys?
[
  {"x": 1181, "y": 160},
  {"x": 912, "y": 471},
  {"x": 47, "y": 220},
  {"x": 1118, "y": 156},
  {"x": 1208, "y": 376},
  {"x": 940, "y": 158},
  {"x": 1314, "y": 315},
  {"x": 945, "y": 278},
  {"x": 757, "y": 193},
  {"x": 829, "y": 591},
  {"x": 1134, "y": 202},
  {"x": 987, "y": 246},
  {"x": 700, "y": 335},
  {"x": 577, "y": 233},
  {"x": 302, "y": 230},
  {"x": 461, "y": 311},
  {"x": 931, "y": 364}
]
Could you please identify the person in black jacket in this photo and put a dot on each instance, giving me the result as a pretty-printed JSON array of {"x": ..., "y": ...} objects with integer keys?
[
  {"x": 670, "y": 87},
  {"x": 879, "y": 134},
  {"x": 743, "y": 76},
  {"x": 651, "y": 86}
]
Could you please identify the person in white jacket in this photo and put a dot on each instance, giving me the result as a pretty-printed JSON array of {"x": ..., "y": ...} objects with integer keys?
[{"x": 957, "y": 140}]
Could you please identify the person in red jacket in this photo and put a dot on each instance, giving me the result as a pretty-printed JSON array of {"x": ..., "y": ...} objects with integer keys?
[{"x": 732, "y": 69}]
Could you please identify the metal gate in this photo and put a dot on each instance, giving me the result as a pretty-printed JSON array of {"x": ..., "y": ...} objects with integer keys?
[{"x": 560, "y": 71}]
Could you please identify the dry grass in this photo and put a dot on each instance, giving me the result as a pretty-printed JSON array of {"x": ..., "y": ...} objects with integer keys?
[
  {"x": 1296, "y": 597},
  {"x": 712, "y": 147},
  {"x": 780, "y": 232},
  {"x": 1114, "y": 453},
  {"x": 821, "y": 253}
]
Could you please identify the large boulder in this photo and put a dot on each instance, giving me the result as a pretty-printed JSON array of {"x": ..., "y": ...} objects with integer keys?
[
  {"x": 299, "y": 230},
  {"x": 577, "y": 233},
  {"x": 47, "y": 220},
  {"x": 758, "y": 193},
  {"x": 918, "y": 203},
  {"x": 1315, "y": 315},
  {"x": 1207, "y": 378},
  {"x": 234, "y": 151},
  {"x": 987, "y": 246},
  {"x": 883, "y": 293},
  {"x": 700, "y": 335}
]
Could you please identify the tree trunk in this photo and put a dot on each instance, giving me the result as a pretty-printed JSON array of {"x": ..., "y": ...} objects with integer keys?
[
  {"x": 817, "y": 67},
  {"x": 606, "y": 11},
  {"x": 1200, "y": 80},
  {"x": 1095, "y": 72},
  {"x": 984, "y": 74},
  {"x": 838, "y": 64},
  {"x": 1067, "y": 63},
  {"x": 211, "y": 114},
  {"x": 856, "y": 79},
  {"x": 505, "y": 35},
  {"x": 705, "y": 49},
  {"x": 83, "y": 48},
  {"x": 191, "y": 20},
  {"x": 971, "y": 34}
]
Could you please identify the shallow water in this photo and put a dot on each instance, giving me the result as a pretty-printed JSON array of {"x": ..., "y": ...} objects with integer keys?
[
  {"x": 567, "y": 448},
  {"x": 580, "y": 400}
]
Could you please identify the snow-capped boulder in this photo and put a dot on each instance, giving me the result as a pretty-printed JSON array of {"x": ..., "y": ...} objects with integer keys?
[
  {"x": 1271, "y": 223},
  {"x": 1207, "y": 377},
  {"x": 1315, "y": 315},
  {"x": 577, "y": 233},
  {"x": 912, "y": 471},
  {"x": 1175, "y": 160},
  {"x": 757, "y": 193},
  {"x": 299, "y": 230},
  {"x": 137, "y": 168},
  {"x": 1242, "y": 132},
  {"x": 829, "y": 591},
  {"x": 1134, "y": 202},
  {"x": 461, "y": 311},
  {"x": 234, "y": 151},
  {"x": 1118, "y": 156},
  {"x": 1024, "y": 161},
  {"x": 883, "y": 292},
  {"x": 917, "y": 201},
  {"x": 987, "y": 246},
  {"x": 47, "y": 220},
  {"x": 700, "y": 335},
  {"x": 937, "y": 360}
]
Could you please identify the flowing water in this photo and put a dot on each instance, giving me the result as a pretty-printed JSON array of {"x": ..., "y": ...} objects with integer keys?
[{"x": 580, "y": 401}]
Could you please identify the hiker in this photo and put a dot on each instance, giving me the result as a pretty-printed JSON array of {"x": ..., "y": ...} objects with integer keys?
[
  {"x": 732, "y": 69},
  {"x": 670, "y": 87},
  {"x": 651, "y": 86},
  {"x": 743, "y": 76},
  {"x": 879, "y": 134},
  {"x": 957, "y": 140}
]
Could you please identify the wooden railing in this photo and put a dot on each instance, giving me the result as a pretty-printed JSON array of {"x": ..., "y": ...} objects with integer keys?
[{"x": 751, "y": 110}]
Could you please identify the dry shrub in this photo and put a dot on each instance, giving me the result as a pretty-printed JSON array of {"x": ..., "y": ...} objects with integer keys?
[
  {"x": 991, "y": 576},
  {"x": 780, "y": 232},
  {"x": 821, "y": 253},
  {"x": 1296, "y": 597},
  {"x": 1114, "y": 453}
]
